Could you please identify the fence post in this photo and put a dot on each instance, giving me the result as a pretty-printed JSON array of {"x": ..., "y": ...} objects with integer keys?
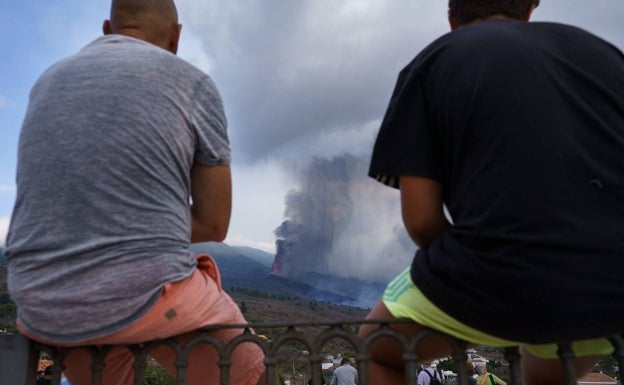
[{"x": 18, "y": 360}]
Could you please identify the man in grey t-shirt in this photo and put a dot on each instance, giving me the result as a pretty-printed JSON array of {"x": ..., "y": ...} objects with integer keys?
[
  {"x": 345, "y": 374},
  {"x": 116, "y": 140}
]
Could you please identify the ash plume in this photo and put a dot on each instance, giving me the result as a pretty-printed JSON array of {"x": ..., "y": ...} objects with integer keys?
[{"x": 339, "y": 222}]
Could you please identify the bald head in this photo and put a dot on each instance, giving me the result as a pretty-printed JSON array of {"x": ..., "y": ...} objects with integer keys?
[{"x": 154, "y": 21}]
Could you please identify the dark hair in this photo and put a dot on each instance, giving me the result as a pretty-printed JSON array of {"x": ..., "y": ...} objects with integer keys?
[
  {"x": 345, "y": 361},
  {"x": 467, "y": 11}
]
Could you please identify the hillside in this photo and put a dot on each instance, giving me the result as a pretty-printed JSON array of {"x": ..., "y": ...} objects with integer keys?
[
  {"x": 259, "y": 309},
  {"x": 251, "y": 268}
]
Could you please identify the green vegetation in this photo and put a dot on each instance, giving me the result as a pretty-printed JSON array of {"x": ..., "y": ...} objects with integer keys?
[
  {"x": 608, "y": 366},
  {"x": 261, "y": 294},
  {"x": 4, "y": 298},
  {"x": 449, "y": 364},
  {"x": 157, "y": 375},
  {"x": 10, "y": 327},
  {"x": 8, "y": 311}
]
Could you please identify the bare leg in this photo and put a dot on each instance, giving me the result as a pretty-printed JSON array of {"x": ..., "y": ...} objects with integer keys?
[
  {"x": 542, "y": 371},
  {"x": 386, "y": 366}
]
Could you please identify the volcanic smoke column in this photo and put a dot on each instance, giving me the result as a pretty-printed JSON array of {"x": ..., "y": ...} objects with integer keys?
[{"x": 316, "y": 215}]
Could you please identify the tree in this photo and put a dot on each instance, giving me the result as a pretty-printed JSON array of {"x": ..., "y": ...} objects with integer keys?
[
  {"x": 446, "y": 365},
  {"x": 8, "y": 310},
  {"x": 9, "y": 326},
  {"x": 608, "y": 366},
  {"x": 157, "y": 375}
]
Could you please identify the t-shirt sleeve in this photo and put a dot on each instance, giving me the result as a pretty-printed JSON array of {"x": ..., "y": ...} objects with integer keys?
[
  {"x": 406, "y": 143},
  {"x": 210, "y": 125}
]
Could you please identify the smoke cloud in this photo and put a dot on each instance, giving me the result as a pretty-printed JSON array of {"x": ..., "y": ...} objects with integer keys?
[{"x": 341, "y": 223}]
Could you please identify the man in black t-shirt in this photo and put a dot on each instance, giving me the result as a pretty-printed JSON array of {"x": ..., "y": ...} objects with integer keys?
[{"x": 516, "y": 128}]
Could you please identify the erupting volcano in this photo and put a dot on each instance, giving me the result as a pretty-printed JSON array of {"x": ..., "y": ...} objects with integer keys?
[
  {"x": 318, "y": 214},
  {"x": 342, "y": 231}
]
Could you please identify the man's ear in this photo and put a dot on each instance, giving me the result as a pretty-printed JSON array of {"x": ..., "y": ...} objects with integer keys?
[
  {"x": 106, "y": 27},
  {"x": 174, "y": 38},
  {"x": 452, "y": 21}
]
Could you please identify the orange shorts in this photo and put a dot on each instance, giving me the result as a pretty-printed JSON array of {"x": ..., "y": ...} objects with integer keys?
[{"x": 183, "y": 307}]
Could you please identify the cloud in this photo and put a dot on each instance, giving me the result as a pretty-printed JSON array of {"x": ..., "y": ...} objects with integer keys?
[
  {"x": 192, "y": 51},
  {"x": 3, "y": 101},
  {"x": 292, "y": 71},
  {"x": 5, "y": 188},
  {"x": 257, "y": 203},
  {"x": 237, "y": 240},
  {"x": 4, "y": 228}
]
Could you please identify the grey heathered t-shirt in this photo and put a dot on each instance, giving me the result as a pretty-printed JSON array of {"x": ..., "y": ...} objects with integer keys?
[{"x": 102, "y": 220}]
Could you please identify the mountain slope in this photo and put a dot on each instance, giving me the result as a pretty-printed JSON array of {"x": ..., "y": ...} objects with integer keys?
[
  {"x": 244, "y": 267},
  {"x": 250, "y": 268}
]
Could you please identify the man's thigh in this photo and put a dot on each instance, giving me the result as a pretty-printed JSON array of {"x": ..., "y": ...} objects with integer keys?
[
  {"x": 389, "y": 350},
  {"x": 183, "y": 308},
  {"x": 549, "y": 371},
  {"x": 204, "y": 357}
]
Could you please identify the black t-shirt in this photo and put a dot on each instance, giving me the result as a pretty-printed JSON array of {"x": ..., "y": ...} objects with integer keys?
[{"x": 523, "y": 126}]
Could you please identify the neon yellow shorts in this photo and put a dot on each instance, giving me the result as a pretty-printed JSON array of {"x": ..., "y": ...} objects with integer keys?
[{"x": 404, "y": 300}]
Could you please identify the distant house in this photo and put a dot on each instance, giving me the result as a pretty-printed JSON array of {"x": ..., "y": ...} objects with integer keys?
[
  {"x": 475, "y": 358},
  {"x": 597, "y": 379}
]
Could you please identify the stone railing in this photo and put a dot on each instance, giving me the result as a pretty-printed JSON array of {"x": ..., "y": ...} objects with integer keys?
[{"x": 311, "y": 341}]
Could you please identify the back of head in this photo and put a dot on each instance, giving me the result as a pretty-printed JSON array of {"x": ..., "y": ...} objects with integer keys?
[
  {"x": 345, "y": 361},
  {"x": 151, "y": 20},
  {"x": 480, "y": 369},
  {"x": 468, "y": 11}
]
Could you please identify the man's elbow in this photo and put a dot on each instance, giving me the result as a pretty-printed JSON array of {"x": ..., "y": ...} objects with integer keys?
[
  {"x": 208, "y": 233},
  {"x": 423, "y": 236},
  {"x": 422, "y": 240}
]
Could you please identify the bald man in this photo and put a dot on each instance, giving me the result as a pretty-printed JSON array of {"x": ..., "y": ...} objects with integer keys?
[{"x": 117, "y": 140}]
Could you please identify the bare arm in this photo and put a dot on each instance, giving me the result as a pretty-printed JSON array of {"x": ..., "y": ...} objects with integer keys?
[
  {"x": 421, "y": 206},
  {"x": 211, "y": 190},
  {"x": 499, "y": 381}
]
